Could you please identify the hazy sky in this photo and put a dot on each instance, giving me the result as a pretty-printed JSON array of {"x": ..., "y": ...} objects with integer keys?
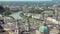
[{"x": 25, "y": 0}]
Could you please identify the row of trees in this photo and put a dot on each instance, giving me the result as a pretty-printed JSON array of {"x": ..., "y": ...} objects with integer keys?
[
  {"x": 37, "y": 11},
  {"x": 49, "y": 12},
  {"x": 5, "y": 11}
]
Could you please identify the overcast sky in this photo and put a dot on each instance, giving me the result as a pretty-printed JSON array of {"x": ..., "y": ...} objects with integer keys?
[{"x": 25, "y": 0}]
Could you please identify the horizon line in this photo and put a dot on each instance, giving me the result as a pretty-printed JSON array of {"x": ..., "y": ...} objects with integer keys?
[{"x": 26, "y": 0}]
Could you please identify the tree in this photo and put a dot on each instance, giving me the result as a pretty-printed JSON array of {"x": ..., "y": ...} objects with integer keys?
[
  {"x": 37, "y": 11},
  {"x": 7, "y": 13},
  {"x": 2, "y": 9}
]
